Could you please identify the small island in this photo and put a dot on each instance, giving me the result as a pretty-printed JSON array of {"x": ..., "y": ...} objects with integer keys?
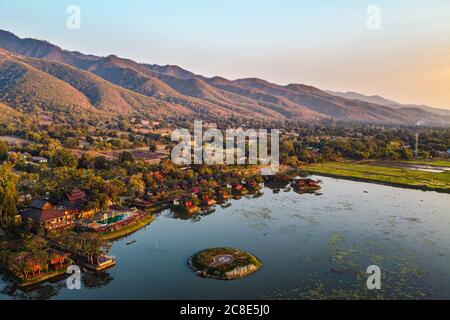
[{"x": 224, "y": 263}]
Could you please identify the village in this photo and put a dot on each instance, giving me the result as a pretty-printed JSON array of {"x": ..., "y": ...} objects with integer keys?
[
  {"x": 67, "y": 199},
  {"x": 66, "y": 229}
]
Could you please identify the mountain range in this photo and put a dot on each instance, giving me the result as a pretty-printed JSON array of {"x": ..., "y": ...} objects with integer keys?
[
  {"x": 388, "y": 103},
  {"x": 37, "y": 74}
]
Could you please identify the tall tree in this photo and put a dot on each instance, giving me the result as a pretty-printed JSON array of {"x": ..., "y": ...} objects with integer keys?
[
  {"x": 3, "y": 151},
  {"x": 8, "y": 195},
  {"x": 137, "y": 184},
  {"x": 64, "y": 158}
]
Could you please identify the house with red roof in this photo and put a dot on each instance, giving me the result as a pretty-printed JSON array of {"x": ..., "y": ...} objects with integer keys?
[{"x": 48, "y": 215}]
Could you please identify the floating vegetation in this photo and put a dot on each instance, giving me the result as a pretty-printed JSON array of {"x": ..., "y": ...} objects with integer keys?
[{"x": 346, "y": 278}]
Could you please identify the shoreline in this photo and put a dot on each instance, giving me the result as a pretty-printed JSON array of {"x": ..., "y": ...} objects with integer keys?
[
  {"x": 115, "y": 235},
  {"x": 46, "y": 277},
  {"x": 379, "y": 182}
]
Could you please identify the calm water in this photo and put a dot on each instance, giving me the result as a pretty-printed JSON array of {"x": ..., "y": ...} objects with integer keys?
[{"x": 311, "y": 246}]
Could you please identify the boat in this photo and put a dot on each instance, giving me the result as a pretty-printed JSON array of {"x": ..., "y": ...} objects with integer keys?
[
  {"x": 208, "y": 212},
  {"x": 226, "y": 205}
]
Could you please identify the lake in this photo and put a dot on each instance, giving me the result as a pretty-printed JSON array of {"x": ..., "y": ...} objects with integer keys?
[{"x": 312, "y": 247}]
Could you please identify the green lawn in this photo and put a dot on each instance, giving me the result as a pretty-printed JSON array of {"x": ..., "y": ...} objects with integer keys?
[{"x": 386, "y": 175}]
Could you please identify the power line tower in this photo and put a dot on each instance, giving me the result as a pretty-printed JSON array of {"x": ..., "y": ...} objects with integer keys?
[{"x": 416, "y": 149}]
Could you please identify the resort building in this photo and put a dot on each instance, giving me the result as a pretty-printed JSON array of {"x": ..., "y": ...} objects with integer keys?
[
  {"x": 76, "y": 201},
  {"x": 112, "y": 220},
  {"x": 28, "y": 265},
  {"x": 48, "y": 215}
]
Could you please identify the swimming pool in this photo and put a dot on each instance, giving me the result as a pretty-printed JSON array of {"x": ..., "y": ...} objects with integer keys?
[{"x": 112, "y": 220}]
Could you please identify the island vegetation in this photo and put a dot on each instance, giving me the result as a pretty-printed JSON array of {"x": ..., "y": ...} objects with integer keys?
[{"x": 224, "y": 263}]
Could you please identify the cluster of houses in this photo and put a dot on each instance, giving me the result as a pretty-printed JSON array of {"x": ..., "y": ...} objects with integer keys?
[
  {"x": 71, "y": 212},
  {"x": 190, "y": 196},
  {"x": 199, "y": 199},
  {"x": 27, "y": 267},
  {"x": 13, "y": 156}
]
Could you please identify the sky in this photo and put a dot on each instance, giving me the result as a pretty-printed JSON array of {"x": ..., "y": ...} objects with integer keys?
[{"x": 323, "y": 43}]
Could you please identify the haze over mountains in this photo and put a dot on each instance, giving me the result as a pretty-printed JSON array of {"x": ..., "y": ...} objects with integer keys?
[
  {"x": 35, "y": 73},
  {"x": 388, "y": 103}
]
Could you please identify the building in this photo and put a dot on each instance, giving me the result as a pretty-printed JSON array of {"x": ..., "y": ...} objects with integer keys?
[
  {"x": 306, "y": 185},
  {"x": 48, "y": 215},
  {"x": 76, "y": 198},
  {"x": 76, "y": 203},
  {"x": 39, "y": 159}
]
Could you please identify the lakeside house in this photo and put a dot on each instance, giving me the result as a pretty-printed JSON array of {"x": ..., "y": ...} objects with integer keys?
[
  {"x": 223, "y": 193},
  {"x": 48, "y": 215},
  {"x": 207, "y": 200},
  {"x": 28, "y": 266},
  {"x": 186, "y": 204},
  {"x": 306, "y": 185},
  {"x": 252, "y": 184},
  {"x": 238, "y": 188}
]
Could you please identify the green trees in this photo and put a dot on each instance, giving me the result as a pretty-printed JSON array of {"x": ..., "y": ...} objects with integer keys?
[
  {"x": 152, "y": 147},
  {"x": 3, "y": 151},
  {"x": 71, "y": 143},
  {"x": 64, "y": 158},
  {"x": 8, "y": 195},
  {"x": 88, "y": 245},
  {"x": 406, "y": 154},
  {"x": 137, "y": 184},
  {"x": 287, "y": 146},
  {"x": 126, "y": 156}
]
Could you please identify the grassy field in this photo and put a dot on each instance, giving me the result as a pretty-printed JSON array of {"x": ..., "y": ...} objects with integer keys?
[
  {"x": 377, "y": 173},
  {"x": 437, "y": 163}
]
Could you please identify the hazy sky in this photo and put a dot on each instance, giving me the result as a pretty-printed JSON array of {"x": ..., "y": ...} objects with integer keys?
[{"x": 318, "y": 42}]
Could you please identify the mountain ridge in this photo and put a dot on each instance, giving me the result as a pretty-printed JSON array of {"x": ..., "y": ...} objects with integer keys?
[
  {"x": 388, "y": 102},
  {"x": 118, "y": 85}
]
